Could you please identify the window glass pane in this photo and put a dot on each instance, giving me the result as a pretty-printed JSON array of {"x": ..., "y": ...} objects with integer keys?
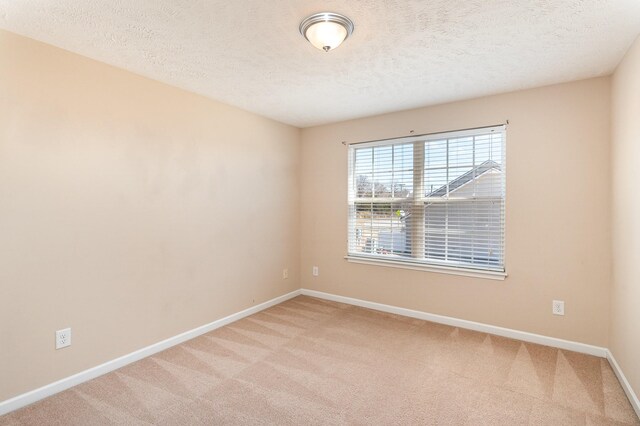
[
  {"x": 435, "y": 154},
  {"x": 435, "y": 182},
  {"x": 461, "y": 152},
  {"x": 381, "y": 228},
  {"x": 460, "y": 178},
  {"x": 382, "y": 158},
  {"x": 403, "y": 157},
  {"x": 473, "y": 235},
  {"x": 363, "y": 160},
  {"x": 435, "y": 216},
  {"x": 363, "y": 172},
  {"x": 384, "y": 172},
  {"x": 488, "y": 147},
  {"x": 382, "y": 182},
  {"x": 402, "y": 170},
  {"x": 364, "y": 185},
  {"x": 403, "y": 184}
]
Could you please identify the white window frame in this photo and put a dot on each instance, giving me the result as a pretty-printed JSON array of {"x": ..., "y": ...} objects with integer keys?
[{"x": 425, "y": 264}]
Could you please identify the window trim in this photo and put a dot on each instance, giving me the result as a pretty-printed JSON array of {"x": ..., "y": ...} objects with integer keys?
[{"x": 428, "y": 265}]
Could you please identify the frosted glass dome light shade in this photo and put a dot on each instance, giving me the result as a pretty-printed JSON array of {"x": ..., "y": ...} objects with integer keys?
[
  {"x": 326, "y": 30},
  {"x": 326, "y": 35}
]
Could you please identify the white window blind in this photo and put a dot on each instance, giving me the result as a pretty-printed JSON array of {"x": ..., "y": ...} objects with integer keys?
[{"x": 435, "y": 200}]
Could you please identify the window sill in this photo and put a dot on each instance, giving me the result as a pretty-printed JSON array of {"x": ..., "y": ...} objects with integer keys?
[{"x": 466, "y": 272}]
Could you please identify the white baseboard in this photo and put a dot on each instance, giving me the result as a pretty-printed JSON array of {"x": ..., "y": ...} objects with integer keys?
[
  {"x": 633, "y": 398},
  {"x": 469, "y": 325},
  {"x": 63, "y": 384}
]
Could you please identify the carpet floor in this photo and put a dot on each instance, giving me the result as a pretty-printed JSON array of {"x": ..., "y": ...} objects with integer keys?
[{"x": 309, "y": 361}]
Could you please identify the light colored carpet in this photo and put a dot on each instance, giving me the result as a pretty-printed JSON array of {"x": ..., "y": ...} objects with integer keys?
[{"x": 309, "y": 361}]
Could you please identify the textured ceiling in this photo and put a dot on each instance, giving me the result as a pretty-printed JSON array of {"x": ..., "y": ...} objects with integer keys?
[{"x": 403, "y": 53}]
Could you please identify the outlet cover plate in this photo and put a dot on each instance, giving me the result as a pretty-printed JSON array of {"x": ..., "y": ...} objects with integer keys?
[
  {"x": 558, "y": 307},
  {"x": 63, "y": 338}
]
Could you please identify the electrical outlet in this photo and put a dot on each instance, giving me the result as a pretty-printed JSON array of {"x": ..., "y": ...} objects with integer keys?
[
  {"x": 63, "y": 338},
  {"x": 314, "y": 271},
  {"x": 558, "y": 307},
  {"x": 285, "y": 274}
]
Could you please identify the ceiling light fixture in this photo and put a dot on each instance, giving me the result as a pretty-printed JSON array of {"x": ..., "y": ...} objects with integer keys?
[{"x": 326, "y": 30}]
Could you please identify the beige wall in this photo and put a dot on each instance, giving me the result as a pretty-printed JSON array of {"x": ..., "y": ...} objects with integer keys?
[
  {"x": 557, "y": 213},
  {"x": 625, "y": 299},
  {"x": 130, "y": 211}
]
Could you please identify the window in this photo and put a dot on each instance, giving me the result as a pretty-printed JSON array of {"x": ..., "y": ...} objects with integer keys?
[{"x": 429, "y": 201}]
